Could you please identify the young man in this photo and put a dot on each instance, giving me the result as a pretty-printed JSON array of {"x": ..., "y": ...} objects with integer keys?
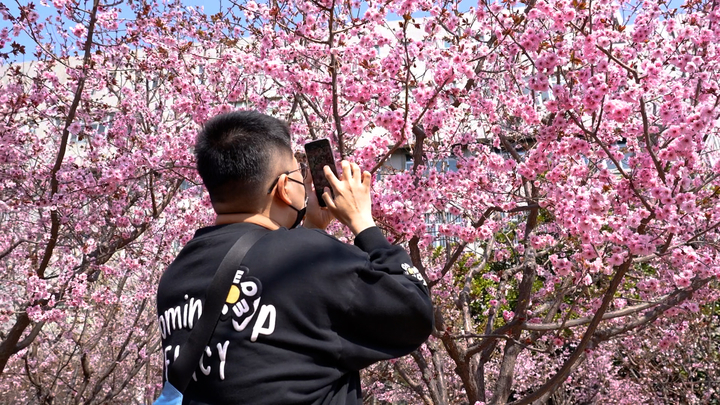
[{"x": 311, "y": 311}]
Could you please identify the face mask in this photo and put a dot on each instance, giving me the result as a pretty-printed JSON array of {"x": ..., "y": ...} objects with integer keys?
[
  {"x": 300, "y": 212},
  {"x": 300, "y": 216}
]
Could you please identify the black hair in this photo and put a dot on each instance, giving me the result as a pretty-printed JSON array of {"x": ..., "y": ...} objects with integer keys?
[{"x": 235, "y": 153}]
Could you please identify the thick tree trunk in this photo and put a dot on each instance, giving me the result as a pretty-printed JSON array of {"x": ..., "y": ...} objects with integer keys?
[
  {"x": 507, "y": 372},
  {"x": 7, "y": 347}
]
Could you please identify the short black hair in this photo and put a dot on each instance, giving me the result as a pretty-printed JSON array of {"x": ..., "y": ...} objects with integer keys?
[{"x": 234, "y": 153}]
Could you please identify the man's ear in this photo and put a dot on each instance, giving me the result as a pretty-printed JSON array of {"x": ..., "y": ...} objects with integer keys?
[{"x": 281, "y": 190}]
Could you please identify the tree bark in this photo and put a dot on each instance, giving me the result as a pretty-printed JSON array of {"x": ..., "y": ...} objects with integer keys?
[{"x": 7, "y": 347}]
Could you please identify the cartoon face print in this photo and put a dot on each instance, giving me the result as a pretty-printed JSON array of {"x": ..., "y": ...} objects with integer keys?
[
  {"x": 243, "y": 299},
  {"x": 410, "y": 270}
]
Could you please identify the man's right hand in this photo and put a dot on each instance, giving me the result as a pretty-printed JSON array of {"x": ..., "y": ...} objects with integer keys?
[{"x": 351, "y": 205}]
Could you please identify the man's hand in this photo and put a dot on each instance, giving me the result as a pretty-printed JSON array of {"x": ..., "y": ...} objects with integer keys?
[
  {"x": 316, "y": 216},
  {"x": 351, "y": 205}
]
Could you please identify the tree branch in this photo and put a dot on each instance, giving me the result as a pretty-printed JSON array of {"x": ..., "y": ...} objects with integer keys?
[
  {"x": 552, "y": 383},
  {"x": 414, "y": 385},
  {"x": 648, "y": 144},
  {"x": 672, "y": 300},
  {"x": 587, "y": 319},
  {"x": 54, "y": 183}
]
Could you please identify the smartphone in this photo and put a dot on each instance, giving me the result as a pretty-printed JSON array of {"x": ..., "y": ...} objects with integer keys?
[{"x": 319, "y": 154}]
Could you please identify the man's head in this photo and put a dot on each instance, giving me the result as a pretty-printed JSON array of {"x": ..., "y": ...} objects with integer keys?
[{"x": 239, "y": 154}]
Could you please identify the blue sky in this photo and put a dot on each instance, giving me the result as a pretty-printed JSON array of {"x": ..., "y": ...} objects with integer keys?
[
  {"x": 48, "y": 10},
  {"x": 210, "y": 7}
]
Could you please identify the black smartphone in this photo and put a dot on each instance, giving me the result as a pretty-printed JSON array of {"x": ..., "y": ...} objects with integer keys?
[{"x": 319, "y": 154}]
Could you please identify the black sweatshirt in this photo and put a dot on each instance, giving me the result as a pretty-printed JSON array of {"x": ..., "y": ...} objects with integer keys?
[{"x": 300, "y": 324}]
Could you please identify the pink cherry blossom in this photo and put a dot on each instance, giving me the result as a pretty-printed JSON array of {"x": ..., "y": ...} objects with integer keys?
[{"x": 527, "y": 157}]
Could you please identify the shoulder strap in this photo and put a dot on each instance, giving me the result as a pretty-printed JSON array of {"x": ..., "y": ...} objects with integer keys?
[{"x": 181, "y": 370}]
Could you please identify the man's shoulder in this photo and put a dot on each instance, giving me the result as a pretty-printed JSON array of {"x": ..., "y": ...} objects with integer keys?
[
  {"x": 306, "y": 238},
  {"x": 230, "y": 231},
  {"x": 225, "y": 231}
]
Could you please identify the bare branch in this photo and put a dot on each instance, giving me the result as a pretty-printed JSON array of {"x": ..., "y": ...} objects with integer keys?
[
  {"x": 648, "y": 144},
  {"x": 630, "y": 70},
  {"x": 672, "y": 300},
  {"x": 11, "y": 248},
  {"x": 492, "y": 336},
  {"x": 587, "y": 319},
  {"x": 426, "y": 375},
  {"x": 414, "y": 385},
  {"x": 30, "y": 337}
]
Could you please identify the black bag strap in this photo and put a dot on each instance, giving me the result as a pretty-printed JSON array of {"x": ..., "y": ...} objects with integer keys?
[{"x": 181, "y": 370}]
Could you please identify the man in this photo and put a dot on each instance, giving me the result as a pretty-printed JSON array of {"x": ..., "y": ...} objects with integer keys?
[{"x": 311, "y": 311}]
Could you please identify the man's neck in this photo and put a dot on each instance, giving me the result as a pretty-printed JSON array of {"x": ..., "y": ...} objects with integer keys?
[{"x": 253, "y": 218}]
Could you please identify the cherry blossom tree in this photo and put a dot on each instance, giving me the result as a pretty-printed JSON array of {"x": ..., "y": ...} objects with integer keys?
[
  {"x": 93, "y": 205},
  {"x": 551, "y": 166}
]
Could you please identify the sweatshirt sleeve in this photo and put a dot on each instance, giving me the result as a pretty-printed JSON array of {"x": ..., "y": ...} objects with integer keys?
[{"x": 389, "y": 313}]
